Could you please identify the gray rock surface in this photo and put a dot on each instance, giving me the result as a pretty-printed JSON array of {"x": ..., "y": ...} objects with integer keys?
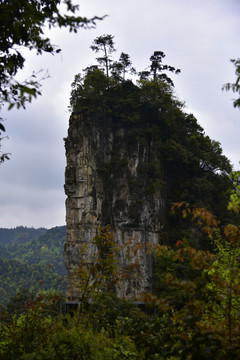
[{"x": 109, "y": 179}]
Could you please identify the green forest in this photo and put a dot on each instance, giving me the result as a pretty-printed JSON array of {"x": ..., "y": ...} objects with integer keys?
[
  {"x": 194, "y": 309},
  {"x": 31, "y": 259}
]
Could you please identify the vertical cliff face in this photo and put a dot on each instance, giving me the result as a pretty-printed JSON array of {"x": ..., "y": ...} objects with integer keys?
[{"x": 109, "y": 179}]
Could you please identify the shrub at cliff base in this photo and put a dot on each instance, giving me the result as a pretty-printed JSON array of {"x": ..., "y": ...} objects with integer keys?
[{"x": 37, "y": 336}]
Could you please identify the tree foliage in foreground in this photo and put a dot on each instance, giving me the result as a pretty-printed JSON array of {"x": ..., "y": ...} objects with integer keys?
[
  {"x": 38, "y": 335},
  {"x": 22, "y": 26},
  {"x": 197, "y": 293},
  {"x": 235, "y": 87},
  {"x": 194, "y": 312}
]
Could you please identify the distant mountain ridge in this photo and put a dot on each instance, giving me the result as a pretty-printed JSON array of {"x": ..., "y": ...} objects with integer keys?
[
  {"x": 31, "y": 258},
  {"x": 19, "y": 234}
]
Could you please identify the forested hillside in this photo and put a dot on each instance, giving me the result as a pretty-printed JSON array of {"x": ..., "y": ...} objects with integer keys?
[
  {"x": 18, "y": 235},
  {"x": 32, "y": 259}
]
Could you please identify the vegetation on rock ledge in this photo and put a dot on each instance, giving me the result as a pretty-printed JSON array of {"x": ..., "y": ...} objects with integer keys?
[{"x": 193, "y": 168}]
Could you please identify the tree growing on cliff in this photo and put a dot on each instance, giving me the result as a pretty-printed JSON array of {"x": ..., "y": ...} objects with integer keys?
[
  {"x": 101, "y": 273},
  {"x": 104, "y": 43},
  {"x": 157, "y": 68},
  {"x": 121, "y": 67}
]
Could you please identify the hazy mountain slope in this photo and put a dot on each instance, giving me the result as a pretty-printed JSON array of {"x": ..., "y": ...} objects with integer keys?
[{"x": 31, "y": 261}]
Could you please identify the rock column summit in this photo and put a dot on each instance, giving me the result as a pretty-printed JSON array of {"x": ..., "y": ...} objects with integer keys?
[{"x": 109, "y": 180}]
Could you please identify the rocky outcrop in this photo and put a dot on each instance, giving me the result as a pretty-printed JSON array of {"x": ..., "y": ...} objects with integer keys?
[{"x": 112, "y": 176}]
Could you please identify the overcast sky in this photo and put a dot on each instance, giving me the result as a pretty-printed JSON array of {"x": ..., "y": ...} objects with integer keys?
[{"x": 197, "y": 36}]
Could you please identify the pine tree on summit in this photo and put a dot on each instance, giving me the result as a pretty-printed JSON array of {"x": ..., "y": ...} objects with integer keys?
[{"x": 104, "y": 43}]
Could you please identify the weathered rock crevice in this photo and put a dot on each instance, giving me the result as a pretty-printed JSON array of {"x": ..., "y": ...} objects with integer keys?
[{"x": 108, "y": 180}]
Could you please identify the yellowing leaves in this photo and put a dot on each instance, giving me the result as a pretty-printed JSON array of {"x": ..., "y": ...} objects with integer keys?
[
  {"x": 232, "y": 233},
  {"x": 200, "y": 216}
]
